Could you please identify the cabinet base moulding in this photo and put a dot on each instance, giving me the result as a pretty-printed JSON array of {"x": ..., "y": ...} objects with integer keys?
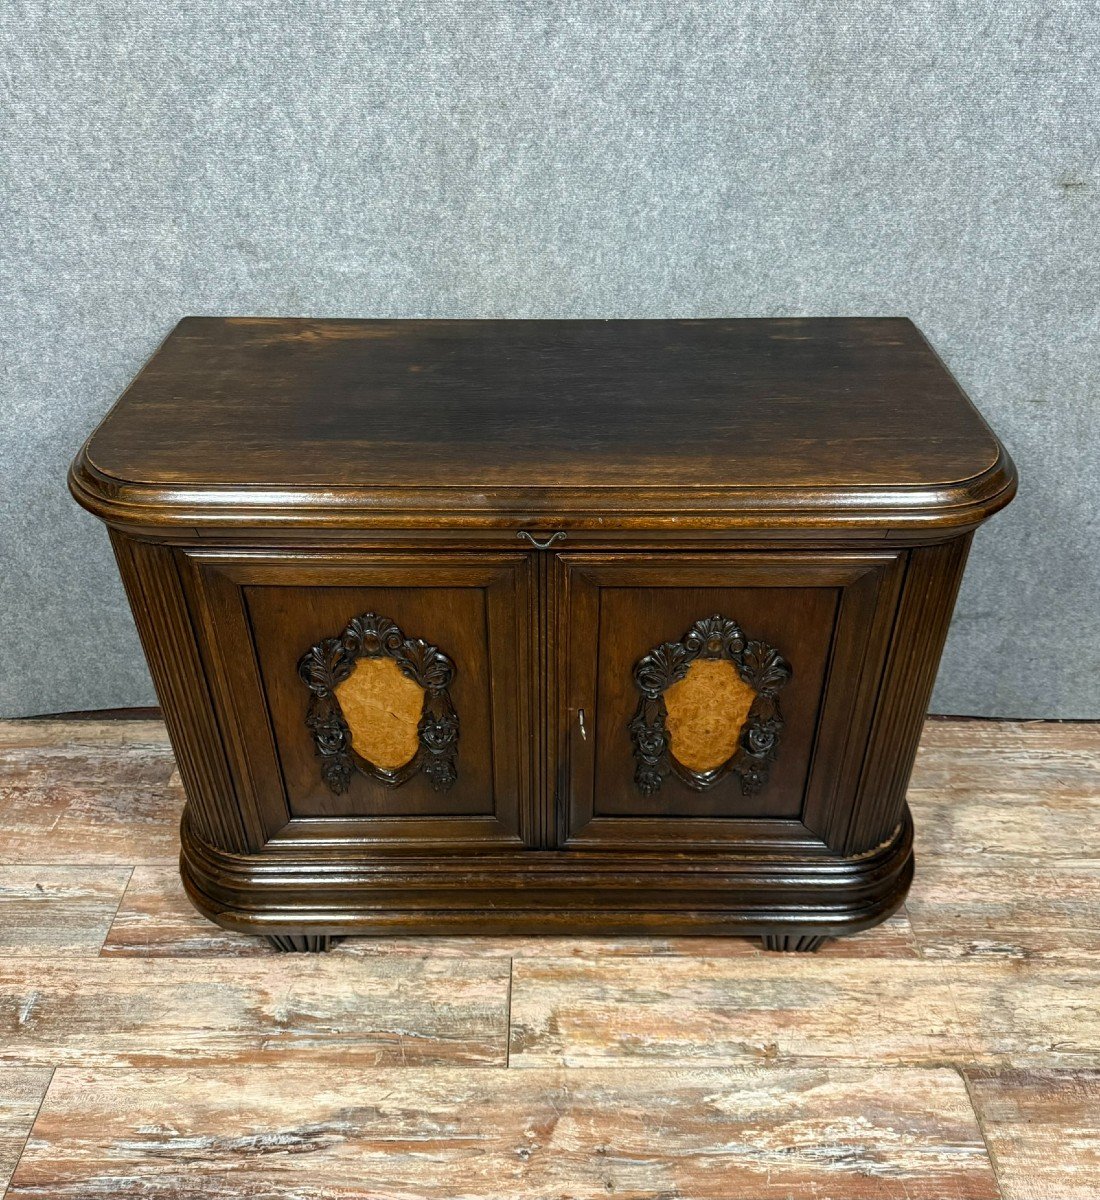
[{"x": 793, "y": 904}]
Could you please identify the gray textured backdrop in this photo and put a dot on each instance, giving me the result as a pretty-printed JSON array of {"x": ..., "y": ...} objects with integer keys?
[{"x": 658, "y": 158}]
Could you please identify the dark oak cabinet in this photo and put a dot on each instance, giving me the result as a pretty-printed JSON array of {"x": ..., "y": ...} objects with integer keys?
[{"x": 544, "y": 626}]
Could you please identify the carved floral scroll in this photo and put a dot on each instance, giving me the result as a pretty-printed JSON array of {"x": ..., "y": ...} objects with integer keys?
[
  {"x": 727, "y": 720},
  {"x": 343, "y": 699}
]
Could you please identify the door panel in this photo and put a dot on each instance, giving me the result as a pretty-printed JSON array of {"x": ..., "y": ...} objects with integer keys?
[
  {"x": 385, "y": 693},
  {"x": 632, "y": 621},
  {"x": 814, "y": 614},
  {"x": 287, "y": 622}
]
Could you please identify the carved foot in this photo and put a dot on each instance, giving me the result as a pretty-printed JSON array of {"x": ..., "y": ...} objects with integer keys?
[
  {"x": 311, "y": 943},
  {"x": 806, "y": 943}
]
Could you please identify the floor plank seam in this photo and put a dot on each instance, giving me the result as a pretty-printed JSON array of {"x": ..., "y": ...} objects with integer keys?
[
  {"x": 30, "y": 1130},
  {"x": 964, "y": 1028},
  {"x": 114, "y": 915},
  {"x": 918, "y": 945},
  {"x": 995, "y": 1166},
  {"x": 508, "y": 1016}
]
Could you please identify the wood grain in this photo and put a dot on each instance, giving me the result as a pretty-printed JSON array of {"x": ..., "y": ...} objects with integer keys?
[
  {"x": 88, "y": 792},
  {"x": 1006, "y": 748},
  {"x": 706, "y": 710},
  {"x": 982, "y": 824},
  {"x": 62, "y": 824},
  {"x": 43, "y": 751},
  {"x": 32, "y": 741},
  {"x": 856, "y": 407},
  {"x": 969, "y": 733},
  {"x": 156, "y": 920},
  {"x": 1041, "y": 1014},
  {"x": 710, "y": 1012},
  {"x": 699, "y": 1011},
  {"x": 1006, "y": 788},
  {"x": 54, "y": 910},
  {"x": 1043, "y": 1131},
  {"x": 768, "y": 1134},
  {"x": 382, "y": 708},
  {"x": 368, "y": 1011},
  {"x": 21, "y": 1092},
  {"x": 1038, "y": 908}
]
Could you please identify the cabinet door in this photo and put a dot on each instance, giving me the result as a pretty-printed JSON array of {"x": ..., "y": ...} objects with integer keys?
[
  {"x": 720, "y": 697},
  {"x": 379, "y": 698}
]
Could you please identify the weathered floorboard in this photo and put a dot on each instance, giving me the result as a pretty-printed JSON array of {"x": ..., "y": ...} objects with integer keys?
[
  {"x": 1018, "y": 789},
  {"x": 78, "y": 792},
  {"x": 720, "y": 1039},
  {"x": 21, "y": 1092},
  {"x": 156, "y": 920},
  {"x": 1043, "y": 1130},
  {"x": 768, "y": 1134},
  {"x": 713, "y": 1011},
  {"x": 572, "y": 1012},
  {"x": 989, "y": 909},
  {"x": 63, "y": 825},
  {"x": 1018, "y": 757},
  {"x": 32, "y": 741},
  {"x": 51, "y": 910},
  {"x": 1034, "y": 1014},
  {"x": 977, "y": 827},
  {"x": 105, "y": 1012}
]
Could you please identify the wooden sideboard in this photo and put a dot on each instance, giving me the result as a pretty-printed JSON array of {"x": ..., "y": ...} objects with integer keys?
[{"x": 544, "y": 626}]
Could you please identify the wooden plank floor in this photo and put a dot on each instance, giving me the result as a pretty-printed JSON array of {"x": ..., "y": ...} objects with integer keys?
[{"x": 954, "y": 1052}]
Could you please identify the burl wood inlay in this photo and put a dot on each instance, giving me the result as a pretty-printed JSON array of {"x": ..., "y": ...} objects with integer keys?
[
  {"x": 706, "y": 710},
  {"x": 382, "y": 708}
]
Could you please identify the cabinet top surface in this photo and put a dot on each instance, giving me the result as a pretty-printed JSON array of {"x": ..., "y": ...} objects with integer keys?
[{"x": 825, "y": 414}]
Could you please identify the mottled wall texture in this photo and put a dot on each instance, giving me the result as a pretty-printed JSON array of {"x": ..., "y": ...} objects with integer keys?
[{"x": 555, "y": 159}]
